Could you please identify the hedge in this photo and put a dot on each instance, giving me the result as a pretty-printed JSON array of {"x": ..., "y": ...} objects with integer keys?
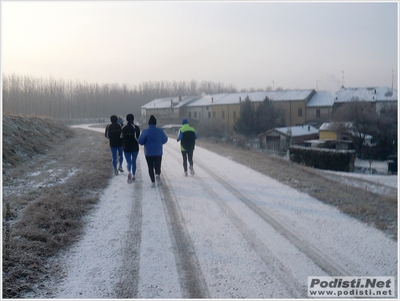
[{"x": 329, "y": 159}]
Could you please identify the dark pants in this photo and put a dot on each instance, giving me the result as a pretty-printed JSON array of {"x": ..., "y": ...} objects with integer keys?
[
  {"x": 187, "y": 156},
  {"x": 154, "y": 164}
]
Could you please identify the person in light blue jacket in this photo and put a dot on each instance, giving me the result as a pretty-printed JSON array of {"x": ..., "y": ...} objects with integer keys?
[{"x": 153, "y": 139}]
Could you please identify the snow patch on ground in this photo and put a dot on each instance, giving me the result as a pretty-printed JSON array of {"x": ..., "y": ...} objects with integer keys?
[{"x": 225, "y": 234}]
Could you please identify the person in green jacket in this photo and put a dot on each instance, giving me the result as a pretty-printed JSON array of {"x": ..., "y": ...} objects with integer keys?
[{"x": 187, "y": 136}]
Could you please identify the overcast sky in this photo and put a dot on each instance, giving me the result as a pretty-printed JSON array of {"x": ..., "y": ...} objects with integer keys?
[{"x": 293, "y": 45}]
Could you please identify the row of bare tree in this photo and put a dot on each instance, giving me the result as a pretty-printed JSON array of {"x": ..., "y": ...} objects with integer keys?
[{"x": 75, "y": 100}]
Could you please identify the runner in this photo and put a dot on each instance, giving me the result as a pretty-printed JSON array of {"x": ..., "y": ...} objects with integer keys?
[
  {"x": 153, "y": 139},
  {"x": 187, "y": 136},
  {"x": 130, "y": 134},
  {"x": 113, "y": 133}
]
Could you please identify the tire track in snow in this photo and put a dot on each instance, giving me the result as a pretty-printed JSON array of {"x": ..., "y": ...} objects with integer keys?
[
  {"x": 318, "y": 257},
  {"x": 129, "y": 281},
  {"x": 280, "y": 271},
  {"x": 192, "y": 281}
]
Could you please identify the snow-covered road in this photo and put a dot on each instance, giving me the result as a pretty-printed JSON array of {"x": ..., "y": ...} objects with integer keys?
[{"x": 227, "y": 232}]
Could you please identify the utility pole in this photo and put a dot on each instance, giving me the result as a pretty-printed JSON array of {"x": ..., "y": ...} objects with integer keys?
[
  {"x": 342, "y": 78},
  {"x": 392, "y": 78}
]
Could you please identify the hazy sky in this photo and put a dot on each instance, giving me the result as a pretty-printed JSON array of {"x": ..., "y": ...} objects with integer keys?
[{"x": 293, "y": 45}]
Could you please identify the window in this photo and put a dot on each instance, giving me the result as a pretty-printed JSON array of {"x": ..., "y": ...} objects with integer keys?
[
  {"x": 300, "y": 112},
  {"x": 209, "y": 114},
  {"x": 195, "y": 115},
  {"x": 190, "y": 114},
  {"x": 318, "y": 113},
  {"x": 223, "y": 115},
  {"x": 234, "y": 114},
  {"x": 214, "y": 115}
]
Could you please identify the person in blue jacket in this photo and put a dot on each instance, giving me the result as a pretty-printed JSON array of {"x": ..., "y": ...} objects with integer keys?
[
  {"x": 153, "y": 139},
  {"x": 187, "y": 136}
]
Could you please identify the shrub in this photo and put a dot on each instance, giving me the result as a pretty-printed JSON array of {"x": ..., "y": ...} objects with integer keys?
[
  {"x": 212, "y": 128},
  {"x": 329, "y": 159}
]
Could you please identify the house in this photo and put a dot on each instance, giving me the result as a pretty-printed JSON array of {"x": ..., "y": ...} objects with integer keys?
[
  {"x": 327, "y": 132},
  {"x": 280, "y": 138},
  {"x": 386, "y": 99},
  {"x": 201, "y": 109},
  {"x": 294, "y": 107},
  {"x": 320, "y": 108},
  {"x": 291, "y": 105},
  {"x": 338, "y": 136},
  {"x": 225, "y": 107},
  {"x": 167, "y": 110},
  {"x": 378, "y": 97}
]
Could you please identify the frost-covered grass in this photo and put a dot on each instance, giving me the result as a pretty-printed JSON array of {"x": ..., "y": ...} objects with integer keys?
[{"x": 46, "y": 193}]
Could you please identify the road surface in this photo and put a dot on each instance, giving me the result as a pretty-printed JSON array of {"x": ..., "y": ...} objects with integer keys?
[{"x": 226, "y": 232}]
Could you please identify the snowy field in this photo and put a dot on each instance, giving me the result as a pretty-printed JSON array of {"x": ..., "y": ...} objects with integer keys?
[{"x": 227, "y": 232}]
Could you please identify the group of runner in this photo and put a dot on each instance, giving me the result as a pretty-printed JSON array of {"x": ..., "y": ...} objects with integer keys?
[{"x": 125, "y": 141}]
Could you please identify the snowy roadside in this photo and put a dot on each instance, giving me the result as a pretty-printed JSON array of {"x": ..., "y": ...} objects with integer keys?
[
  {"x": 380, "y": 178},
  {"x": 381, "y": 184},
  {"x": 242, "y": 229}
]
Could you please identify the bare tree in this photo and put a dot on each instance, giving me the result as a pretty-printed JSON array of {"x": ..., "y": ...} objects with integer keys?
[
  {"x": 388, "y": 132},
  {"x": 357, "y": 119},
  {"x": 71, "y": 100}
]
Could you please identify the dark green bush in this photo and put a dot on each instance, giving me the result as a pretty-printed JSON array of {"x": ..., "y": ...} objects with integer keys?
[{"x": 329, "y": 159}]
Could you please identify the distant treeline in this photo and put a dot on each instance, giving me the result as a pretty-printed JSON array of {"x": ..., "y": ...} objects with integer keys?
[{"x": 70, "y": 100}]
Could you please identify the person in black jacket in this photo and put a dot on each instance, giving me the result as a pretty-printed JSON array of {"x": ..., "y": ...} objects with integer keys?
[
  {"x": 187, "y": 136},
  {"x": 113, "y": 133},
  {"x": 130, "y": 135}
]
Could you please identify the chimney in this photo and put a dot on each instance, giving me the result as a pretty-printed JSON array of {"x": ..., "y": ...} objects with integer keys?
[
  {"x": 172, "y": 104},
  {"x": 240, "y": 98},
  {"x": 212, "y": 99},
  {"x": 308, "y": 128},
  {"x": 180, "y": 98}
]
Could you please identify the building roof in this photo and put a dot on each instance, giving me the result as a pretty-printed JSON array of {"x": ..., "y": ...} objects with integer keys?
[
  {"x": 330, "y": 127},
  {"x": 326, "y": 126},
  {"x": 296, "y": 131},
  {"x": 321, "y": 99},
  {"x": 235, "y": 98},
  {"x": 371, "y": 94},
  {"x": 289, "y": 95},
  {"x": 318, "y": 99},
  {"x": 168, "y": 102},
  {"x": 207, "y": 100},
  {"x": 299, "y": 130}
]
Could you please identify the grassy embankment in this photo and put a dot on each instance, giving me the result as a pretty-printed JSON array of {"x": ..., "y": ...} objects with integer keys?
[{"x": 41, "y": 219}]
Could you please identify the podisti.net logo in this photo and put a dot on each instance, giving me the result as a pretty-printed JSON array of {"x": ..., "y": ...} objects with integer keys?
[{"x": 350, "y": 287}]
